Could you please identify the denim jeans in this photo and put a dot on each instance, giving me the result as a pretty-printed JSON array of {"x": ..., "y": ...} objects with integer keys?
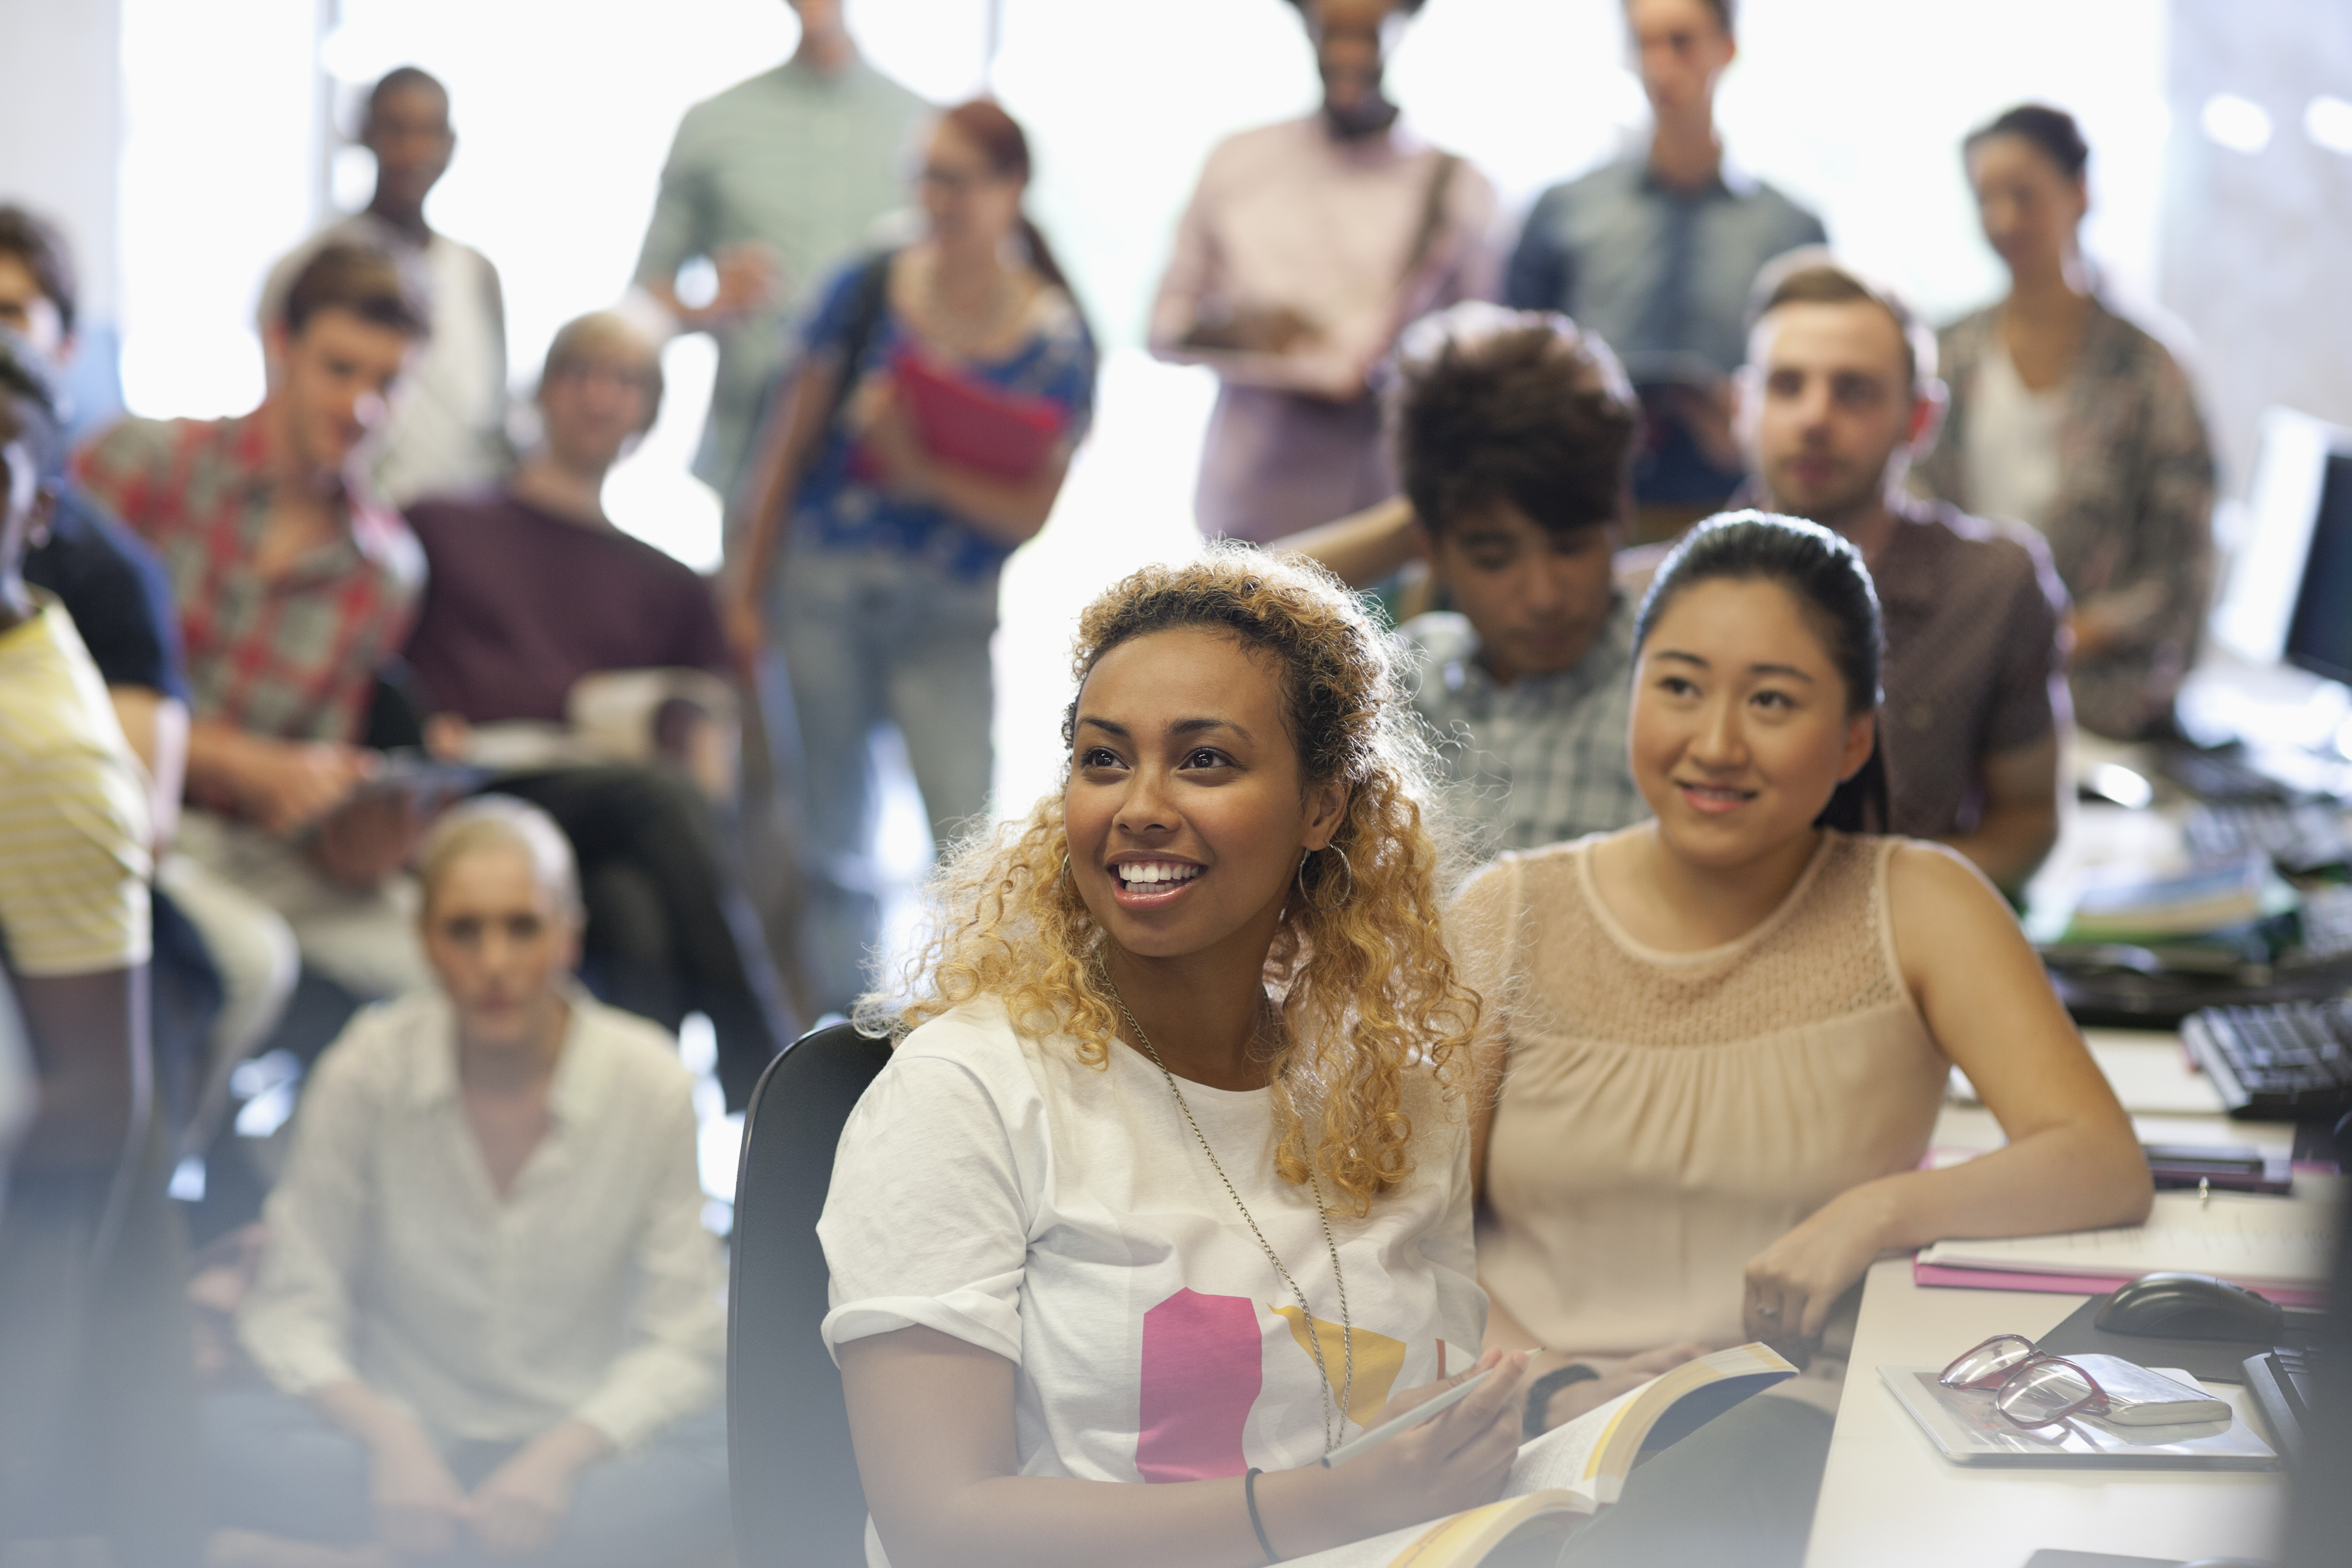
[
  {"x": 875, "y": 637},
  {"x": 280, "y": 1468}
]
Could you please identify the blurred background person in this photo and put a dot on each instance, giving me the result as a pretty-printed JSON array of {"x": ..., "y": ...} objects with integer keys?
[
  {"x": 447, "y": 428},
  {"x": 1656, "y": 252},
  {"x": 96, "y": 1377},
  {"x": 2067, "y": 416},
  {"x": 1514, "y": 432},
  {"x": 1839, "y": 393},
  {"x": 1308, "y": 245},
  {"x": 531, "y": 595},
  {"x": 773, "y": 182},
  {"x": 294, "y": 583},
  {"x": 871, "y": 555},
  {"x": 206, "y": 1015},
  {"x": 487, "y": 1303}
]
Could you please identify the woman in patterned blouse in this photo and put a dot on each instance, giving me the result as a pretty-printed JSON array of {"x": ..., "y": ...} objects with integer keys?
[{"x": 2071, "y": 418}]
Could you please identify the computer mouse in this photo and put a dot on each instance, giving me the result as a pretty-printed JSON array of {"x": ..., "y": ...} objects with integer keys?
[{"x": 2189, "y": 1306}]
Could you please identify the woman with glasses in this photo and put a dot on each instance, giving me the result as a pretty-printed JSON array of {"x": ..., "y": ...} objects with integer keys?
[
  {"x": 921, "y": 437},
  {"x": 1718, "y": 1041}
]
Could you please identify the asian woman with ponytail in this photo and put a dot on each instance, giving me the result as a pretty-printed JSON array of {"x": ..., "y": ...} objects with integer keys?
[{"x": 1714, "y": 1045}]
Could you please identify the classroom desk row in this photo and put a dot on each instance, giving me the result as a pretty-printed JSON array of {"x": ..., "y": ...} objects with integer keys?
[{"x": 1888, "y": 1497}]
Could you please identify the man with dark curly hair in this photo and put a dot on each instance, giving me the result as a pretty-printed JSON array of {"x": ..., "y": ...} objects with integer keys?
[{"x": 1513, "y": 431}]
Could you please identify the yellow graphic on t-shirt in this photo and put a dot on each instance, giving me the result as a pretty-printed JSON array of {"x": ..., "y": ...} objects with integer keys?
[{"x": 1379, "y": 1359}]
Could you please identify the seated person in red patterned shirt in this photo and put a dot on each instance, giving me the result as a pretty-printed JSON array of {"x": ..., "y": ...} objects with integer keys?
[
  {"x": 293, "y": 583},
  {"x": 532, "y": 595}
]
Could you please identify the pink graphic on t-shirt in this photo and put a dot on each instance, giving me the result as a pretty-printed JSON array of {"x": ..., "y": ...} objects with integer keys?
[{"x": 1203, "y": 1366}]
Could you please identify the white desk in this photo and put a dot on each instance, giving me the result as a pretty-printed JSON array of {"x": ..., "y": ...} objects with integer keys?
[{"x": 1889, "y": 1498}]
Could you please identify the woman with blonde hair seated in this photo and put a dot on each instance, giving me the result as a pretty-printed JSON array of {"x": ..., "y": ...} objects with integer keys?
[
  {"x": 486, "y": 1300},
  {"x": 1717, "y": 1044},
  {"x": 1168, "y": 1179}
]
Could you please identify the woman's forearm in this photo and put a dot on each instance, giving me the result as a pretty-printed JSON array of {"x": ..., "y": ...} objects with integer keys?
[
  {"x": 1009, "y": 513},
  {"x": 804, "y": 404},
  {"x": 2078, "y": 1176},
  {"x": 366, "y": 1415}
]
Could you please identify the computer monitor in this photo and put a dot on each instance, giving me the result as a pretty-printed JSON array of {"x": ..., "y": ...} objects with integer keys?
[{"x": 2289, "y": 597}]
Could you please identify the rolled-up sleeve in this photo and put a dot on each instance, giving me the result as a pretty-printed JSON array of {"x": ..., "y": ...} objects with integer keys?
[
  {"x": 677, "y": 1339},
  {"x": 296, "y": 1323},
  {"x": 927, "y": 1221}
]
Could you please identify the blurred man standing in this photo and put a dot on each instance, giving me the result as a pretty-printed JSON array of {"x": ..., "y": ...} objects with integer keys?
[
  {"x": 773, "y": 182},
  {"x": 1307, "y": 246},
  {"x": 447, "y": 428},
  {"x": 1656, "y": 252}
]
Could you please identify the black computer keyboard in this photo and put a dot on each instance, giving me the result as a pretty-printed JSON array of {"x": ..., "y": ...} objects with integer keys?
[
  {"x": 2300, "y": 839},
  {"x": 2280, "y": 1380},
  {"x": 2281, "y": 1061},
  {"x": 2219, "y": 775}
]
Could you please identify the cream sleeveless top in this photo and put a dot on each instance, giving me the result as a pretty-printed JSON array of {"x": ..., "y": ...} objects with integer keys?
[{"x": 1666, "y": 1117}]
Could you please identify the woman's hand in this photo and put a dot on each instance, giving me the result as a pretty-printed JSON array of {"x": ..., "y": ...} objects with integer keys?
[
  {"x": 1567, "y": 1404},
  {"x": 519, "y": 1506},
  {"x": 890, "y": 439},
  {"x": 1794, "y": 1283},
  {"x": 418, "y": 1503},
  {"x": 1458, "y": 1459}
]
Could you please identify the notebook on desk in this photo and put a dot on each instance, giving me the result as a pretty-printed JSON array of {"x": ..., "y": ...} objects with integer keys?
[
  {"x": 2274, "y": 1245},
  {"x": 1967, "y": 1430}
]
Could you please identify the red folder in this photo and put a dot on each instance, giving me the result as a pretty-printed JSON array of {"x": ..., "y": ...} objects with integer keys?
[{"x": 976, "y": 425}]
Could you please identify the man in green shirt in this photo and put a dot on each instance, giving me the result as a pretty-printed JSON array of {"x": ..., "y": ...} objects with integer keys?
[{"x": 773, "y": 182}]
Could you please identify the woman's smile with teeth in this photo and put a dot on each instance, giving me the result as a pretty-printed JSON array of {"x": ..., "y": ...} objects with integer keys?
[{"x": 1158, "y": 871}]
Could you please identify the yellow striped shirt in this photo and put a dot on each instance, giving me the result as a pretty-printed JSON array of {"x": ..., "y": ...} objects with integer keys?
[{"x": 74, "y": 820}]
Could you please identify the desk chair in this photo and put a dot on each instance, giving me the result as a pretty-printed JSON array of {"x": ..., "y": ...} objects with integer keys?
[{"x": 797, "y": 1500}]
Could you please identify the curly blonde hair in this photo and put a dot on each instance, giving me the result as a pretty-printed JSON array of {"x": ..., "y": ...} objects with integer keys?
[{"x": 1367, "y": 988}]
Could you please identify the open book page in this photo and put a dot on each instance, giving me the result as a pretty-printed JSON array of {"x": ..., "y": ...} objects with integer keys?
[
  {"x": 1565, "y": 1456},
  {"x": 1466, "y": 1540},
  {"x": 1594, "y": 1454},
  {"x": 1573, "y": 1470}
]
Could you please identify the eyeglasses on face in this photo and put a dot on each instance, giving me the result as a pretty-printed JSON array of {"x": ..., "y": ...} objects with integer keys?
[{"x": 2028, "y": 1388}]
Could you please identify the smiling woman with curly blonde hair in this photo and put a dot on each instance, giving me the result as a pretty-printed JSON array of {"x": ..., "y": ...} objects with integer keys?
[{"x": 1168, "y": 1179}]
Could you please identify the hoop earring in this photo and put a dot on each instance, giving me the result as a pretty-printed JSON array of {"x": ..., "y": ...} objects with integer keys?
[
  {"x": 1065, "y": 878},
  {"x": 1339, "y": 902}
]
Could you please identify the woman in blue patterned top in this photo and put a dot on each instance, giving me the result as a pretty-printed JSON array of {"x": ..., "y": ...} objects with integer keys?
[{"x": 873, "y": 558}]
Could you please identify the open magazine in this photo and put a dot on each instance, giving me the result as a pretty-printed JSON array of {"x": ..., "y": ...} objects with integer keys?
[{"x": 1572, "y": 1471}]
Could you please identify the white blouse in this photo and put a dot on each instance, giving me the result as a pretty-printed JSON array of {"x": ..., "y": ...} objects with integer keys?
[{"x": 590, "y": 1290}]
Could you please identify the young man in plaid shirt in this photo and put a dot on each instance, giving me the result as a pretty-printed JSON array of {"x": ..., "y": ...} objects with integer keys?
[{"x": 293, "y": 584}]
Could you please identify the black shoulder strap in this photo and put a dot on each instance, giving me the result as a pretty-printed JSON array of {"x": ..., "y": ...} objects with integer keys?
[{"x": 866, "y": 309}]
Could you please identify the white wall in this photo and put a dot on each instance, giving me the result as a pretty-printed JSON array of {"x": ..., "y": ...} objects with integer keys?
[
  {"x": 60, "y": 104},
  {"x": 2258, "y": 236}
]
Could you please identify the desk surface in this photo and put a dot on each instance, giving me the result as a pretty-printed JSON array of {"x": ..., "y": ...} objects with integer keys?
[{"x": 1889, "y": 1497}]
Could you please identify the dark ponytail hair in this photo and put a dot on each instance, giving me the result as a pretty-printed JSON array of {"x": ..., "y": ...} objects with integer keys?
[
  {"x": 2052, "y": 131},
  {"x": 983, "y": 122},
  {"x": 1826, "y": 577}
]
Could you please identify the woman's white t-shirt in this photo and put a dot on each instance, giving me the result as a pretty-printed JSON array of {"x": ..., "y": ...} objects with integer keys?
[{"x": 998, "y": 1189}]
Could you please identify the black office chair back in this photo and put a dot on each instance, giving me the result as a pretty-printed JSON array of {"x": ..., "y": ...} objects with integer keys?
[{"x": 797, "y": 1500}]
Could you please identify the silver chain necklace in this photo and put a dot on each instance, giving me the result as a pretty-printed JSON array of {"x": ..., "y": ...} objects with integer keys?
[{"x": 1314, "y": 1339}]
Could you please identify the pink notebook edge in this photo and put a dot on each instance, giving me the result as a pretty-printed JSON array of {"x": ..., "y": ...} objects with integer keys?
[{"x": 1946, "y": 1276}]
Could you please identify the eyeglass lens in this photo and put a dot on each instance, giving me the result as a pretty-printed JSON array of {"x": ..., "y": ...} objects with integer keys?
[
  {"x": 2045, "y": 1392},
  {"x": 1988, "y": 1361}
]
